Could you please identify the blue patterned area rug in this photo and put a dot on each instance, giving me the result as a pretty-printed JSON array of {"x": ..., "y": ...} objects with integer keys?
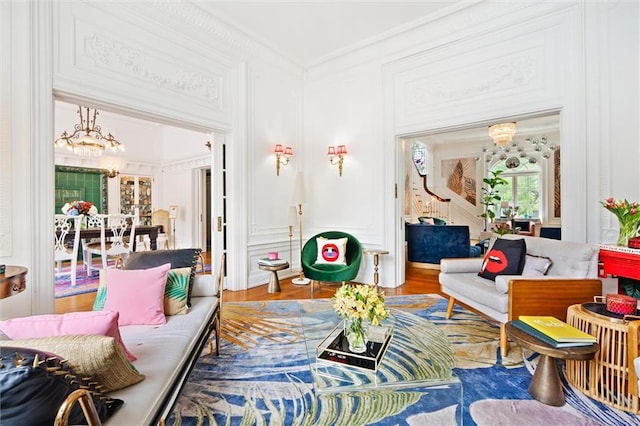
[{"x": 262, "y": 377}]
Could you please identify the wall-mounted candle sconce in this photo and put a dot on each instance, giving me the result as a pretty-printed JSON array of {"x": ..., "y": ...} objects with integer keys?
[
  {"x": 340, "y": 151},
  {"x": 208, "y": 145},
  {"x": 280, "y": 152}
]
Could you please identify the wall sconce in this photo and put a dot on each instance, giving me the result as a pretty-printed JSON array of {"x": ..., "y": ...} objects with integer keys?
[
  {"x": 208, "y": 145},
  {"x": 111, "y": 173},
  {"x": 280, "y": 151},
  {"x": 340, "y": 151}
]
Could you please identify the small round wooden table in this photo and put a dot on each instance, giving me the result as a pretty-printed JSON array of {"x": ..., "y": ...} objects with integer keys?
[
  {"x": 274, "y": 282},
  {"x": 546, "y": 386},
  {"x": 13, "y": 281}
]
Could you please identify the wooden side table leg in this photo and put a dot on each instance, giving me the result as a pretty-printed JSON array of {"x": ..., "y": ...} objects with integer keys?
[{"x": 546, "y": 386}]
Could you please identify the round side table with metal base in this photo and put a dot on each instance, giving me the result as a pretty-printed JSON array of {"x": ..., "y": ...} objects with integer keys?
[
  {"x": 376, "y": 261},
  {"x": 546, "y": 386},
  {"x": 274, "y": 282}
]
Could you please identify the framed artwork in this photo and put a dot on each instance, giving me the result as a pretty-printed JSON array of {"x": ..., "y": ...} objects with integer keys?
[{"x": 460, "y": 174}]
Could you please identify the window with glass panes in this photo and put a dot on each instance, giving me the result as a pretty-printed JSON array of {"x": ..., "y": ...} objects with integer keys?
[{"x": 523, "y": 186}]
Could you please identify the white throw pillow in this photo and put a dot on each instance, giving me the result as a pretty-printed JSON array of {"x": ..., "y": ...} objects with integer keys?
[
  {"x": 536, "y": 266},
  {"x": 331, "y": 252}
]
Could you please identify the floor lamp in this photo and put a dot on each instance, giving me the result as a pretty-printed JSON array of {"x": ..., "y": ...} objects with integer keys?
[
  {"x": 298, "y": 199},
  {"x": 293, "y": 217}
]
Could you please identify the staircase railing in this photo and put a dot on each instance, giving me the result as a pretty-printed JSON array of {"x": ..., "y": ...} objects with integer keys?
[{"x": 432, "y": 204}]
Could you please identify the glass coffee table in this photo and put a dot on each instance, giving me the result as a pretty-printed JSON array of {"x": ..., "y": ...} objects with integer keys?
[{"x": 418, "y": 355}]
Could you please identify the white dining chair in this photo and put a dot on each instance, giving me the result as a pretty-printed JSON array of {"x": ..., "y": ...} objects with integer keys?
[
  {"x": 63, "y": 224},
  {"x": 117, "y": 243}
]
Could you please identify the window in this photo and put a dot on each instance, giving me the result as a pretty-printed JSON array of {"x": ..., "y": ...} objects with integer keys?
[{"x": 524, "y": 183}]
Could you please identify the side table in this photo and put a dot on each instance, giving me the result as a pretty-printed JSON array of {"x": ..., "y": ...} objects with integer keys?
[
  {"x": 274, "y": 282},
  {"x": 13, "y": 281},
  {"x": 604, "y": 379},
  {"x": 546, "y": 386},
  {"x": 376, "y": 260}
]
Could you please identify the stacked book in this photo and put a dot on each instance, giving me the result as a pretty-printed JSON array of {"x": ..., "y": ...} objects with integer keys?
[
  {"x": 552, "y": 331},
  {"x": 271, "y": 262}
]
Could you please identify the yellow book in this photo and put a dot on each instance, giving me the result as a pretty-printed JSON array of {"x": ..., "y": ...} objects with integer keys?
[{"x": 558, "y": 330}]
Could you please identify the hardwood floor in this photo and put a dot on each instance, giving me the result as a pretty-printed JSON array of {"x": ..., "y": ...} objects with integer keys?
[{"x": 418, "y": 281}]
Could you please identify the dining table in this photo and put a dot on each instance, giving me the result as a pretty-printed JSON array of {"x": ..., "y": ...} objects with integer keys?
[{"x": 151, "y": 231}]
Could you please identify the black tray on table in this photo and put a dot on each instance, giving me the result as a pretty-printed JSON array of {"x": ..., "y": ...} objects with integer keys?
[
  {"x": 601, "y": 309},
  {"x": 337, "y": 350}
]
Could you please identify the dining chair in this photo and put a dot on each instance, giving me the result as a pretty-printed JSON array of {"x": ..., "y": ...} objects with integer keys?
[
  {"x": 159, "y": 217},
  {"x": 117, "y": 243},
  {"x": 63, "y": 224}
]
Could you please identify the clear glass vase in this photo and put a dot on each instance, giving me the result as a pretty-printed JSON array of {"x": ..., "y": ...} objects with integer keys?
[
  {"x": 628, "y": 229},
  {"x": 356, "y": 333}
]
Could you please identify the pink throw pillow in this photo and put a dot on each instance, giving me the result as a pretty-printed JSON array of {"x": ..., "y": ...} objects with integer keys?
[
  {"x": 103, "y": 323},
  {"x": 137, "y": 294}
]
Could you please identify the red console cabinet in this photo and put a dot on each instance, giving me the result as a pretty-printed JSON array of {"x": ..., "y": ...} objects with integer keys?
[{"x": 619, "y": 263}]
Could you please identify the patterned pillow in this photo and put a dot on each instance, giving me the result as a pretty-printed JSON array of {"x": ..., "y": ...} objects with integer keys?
[
  {"x": 506, "y": 257},
  {"x": 331, "y": 252},
  {"x": 34, "y": 384},
  {"x": 175, "y": 291},
  {"x": 90, "y": 355}
]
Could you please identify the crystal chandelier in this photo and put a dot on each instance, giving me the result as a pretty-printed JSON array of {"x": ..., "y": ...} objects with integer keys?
[
  {"x": 502, "y": 133},
  {"x": 87, "y": 139}
]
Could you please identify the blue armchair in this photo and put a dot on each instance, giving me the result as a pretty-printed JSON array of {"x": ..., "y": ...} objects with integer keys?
[{"x": 431, "y": 243}]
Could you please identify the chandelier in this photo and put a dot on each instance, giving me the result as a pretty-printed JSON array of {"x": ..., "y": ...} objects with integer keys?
[
  {"x": 502, "y": 133},
  {"x": 87, "y": 139},
  {"x": 514, "y": 153}
]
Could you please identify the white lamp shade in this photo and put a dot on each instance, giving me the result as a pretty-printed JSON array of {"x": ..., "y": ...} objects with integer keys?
[
  {"x": 293, "y": 216},
  {"x": 299, "y": 193}
]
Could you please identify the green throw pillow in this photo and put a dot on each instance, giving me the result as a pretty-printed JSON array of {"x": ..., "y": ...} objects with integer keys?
[{"x": 175, "y": 291}]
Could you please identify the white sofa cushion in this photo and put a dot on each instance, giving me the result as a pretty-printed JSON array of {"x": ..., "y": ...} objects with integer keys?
[{"x": 482, "y": 289}]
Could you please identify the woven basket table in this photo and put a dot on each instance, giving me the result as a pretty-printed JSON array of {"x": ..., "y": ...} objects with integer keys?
[{"x": 605, "y": 377}]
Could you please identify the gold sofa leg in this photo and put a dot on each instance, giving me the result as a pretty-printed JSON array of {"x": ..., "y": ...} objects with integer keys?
[
  {"x": 452, "y": 301},
  {"x": 504, "y": 342}
]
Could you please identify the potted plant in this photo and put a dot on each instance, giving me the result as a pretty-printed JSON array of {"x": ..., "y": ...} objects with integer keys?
[{"x": 491, "y": 195}]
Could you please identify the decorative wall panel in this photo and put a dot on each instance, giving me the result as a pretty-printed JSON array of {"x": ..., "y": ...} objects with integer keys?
[
  {"x": 191, "y": 84},
  {"x": 519, "y": 75}
]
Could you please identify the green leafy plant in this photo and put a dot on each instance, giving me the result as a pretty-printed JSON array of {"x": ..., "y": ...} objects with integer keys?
[{"x": 491, "y": 195}]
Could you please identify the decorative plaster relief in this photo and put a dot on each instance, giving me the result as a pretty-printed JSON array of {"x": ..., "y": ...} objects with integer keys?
[
  {"x": 490, "y": 77},
  {"x": 118, "y": 57}
]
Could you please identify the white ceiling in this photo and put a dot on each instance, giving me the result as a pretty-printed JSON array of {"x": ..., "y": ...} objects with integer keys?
[{"x": 308, "y": 31}]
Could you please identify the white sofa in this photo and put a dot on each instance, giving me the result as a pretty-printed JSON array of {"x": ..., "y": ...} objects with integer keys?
[
  {"x": 571, "y": 279},
  {"x": 166, "y": 355}
]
